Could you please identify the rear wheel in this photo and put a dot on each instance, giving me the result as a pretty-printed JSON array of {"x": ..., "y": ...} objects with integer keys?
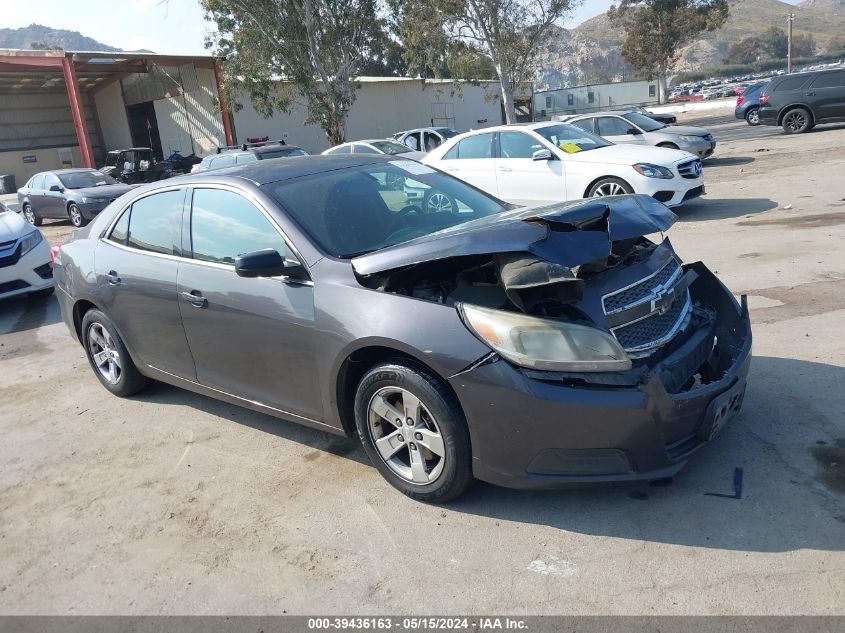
[
  {"x": 752, "y": 117},
  {"x": 31, "y": 216},
  {"x": 609, "y": 187},
  {"x": 414, "y": 432},
  {"x": 796, "y": 121},
  {"x": 109, "y": 357},
  {"x": 75, "y": 215}
]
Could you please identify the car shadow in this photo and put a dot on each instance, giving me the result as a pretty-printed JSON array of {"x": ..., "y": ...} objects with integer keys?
[
  {"x": 783, "y": 443},
  {"x": 722, "y": 208},
  {"x": 23, "y": 313},
  {"x": 727, "y": 161}
]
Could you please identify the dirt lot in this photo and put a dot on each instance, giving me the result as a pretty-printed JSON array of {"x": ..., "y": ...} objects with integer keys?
[{"x": 174, "y": 503}]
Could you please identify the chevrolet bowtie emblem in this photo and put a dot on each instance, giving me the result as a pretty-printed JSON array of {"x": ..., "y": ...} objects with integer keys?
[{"x": 662, "y": 299}]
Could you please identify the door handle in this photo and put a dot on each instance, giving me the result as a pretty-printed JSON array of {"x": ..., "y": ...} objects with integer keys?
[
  {"x": 505, "y": 169},
  {"x": 195, "y": 298},
  {"x": 809, "y": 94},
  {"x": 113, "y": 279}
]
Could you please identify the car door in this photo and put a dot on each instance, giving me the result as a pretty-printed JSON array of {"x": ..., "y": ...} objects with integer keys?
[
  {"x": 249, "y": 337},
  {"x": 35, "y": 193},
  {"x": 472, "y": 160},
  {"x": 522, "y": 180},
  {"x": 53, "y": 202},
  {"x": 136, "y": 266},
  {"x": 827, "y": 95},
  {"x": 615, "y": 129}
]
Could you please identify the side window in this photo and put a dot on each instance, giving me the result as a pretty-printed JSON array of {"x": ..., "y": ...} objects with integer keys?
[
  {"x": 612, "y": 126},
  {"x": 121, "y": 229},
  {"x": 224, "y": 225},
  {"x": 343, "y": 149},
  {"x": 432, "y": 141},
  {"x": 834, "y": 79},
  {"x": 155, "y": 222},
  {"x": 585, "y": 124},
  {"x": 226, "y": 160},
  {"x": 243, "y": 159},
  {"x": 452, "y": 153},
  {"x": 37, "y": 182},
  {"x": 50, "y": 180},
  {"x": 413, "y": 141},
  {"x": 792, "y": 83},
  {"x": 517, "y": 145},
  {"x": 478, "y": 146},
  {"x": 363, "y": 149}
]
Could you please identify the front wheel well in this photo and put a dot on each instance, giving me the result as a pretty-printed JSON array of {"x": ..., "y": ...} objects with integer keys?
[
  {"x": 668, "y": 145},
  {"x": 357, "y": 364},
  {"x": 599, "y": 179}
]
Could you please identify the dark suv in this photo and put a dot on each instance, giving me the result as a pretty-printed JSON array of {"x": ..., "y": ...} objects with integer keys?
[{"x": 798, "y": 102}]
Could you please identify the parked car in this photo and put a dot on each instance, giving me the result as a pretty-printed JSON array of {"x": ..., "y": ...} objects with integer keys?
[
  {"x": 376, "y": 146},
  {"x": 136, "y": 165},
  {"x": 542, "y": 163},
  {"x": 748, "y": 104},
  {"x": 25, "y": 266},
  {"x": 74, "y": 194},
  {"x": 425, "y": 139},
  {"x": 665, "y": 118},
  {"x": 527, "y": 348},
  {"x": 621, "y": 126},
  {"x": 227, "y": 157},
  {"x": 800, "y": 101}
]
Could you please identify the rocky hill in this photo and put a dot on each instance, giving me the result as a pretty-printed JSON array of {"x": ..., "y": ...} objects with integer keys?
[
  {"x": 589, "y": 53},
  {"x": 37, "y": 36}
]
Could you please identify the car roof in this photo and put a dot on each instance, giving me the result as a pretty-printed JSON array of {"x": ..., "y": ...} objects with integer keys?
[
  {"x": 279, "y": 169},
  {"x": 72, "y": 170},
  {"x": 263, "y": 149}
]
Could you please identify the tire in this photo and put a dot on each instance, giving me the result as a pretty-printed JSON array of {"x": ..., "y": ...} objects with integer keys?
[
  {"x": 436, "y": 201},
  {"x": 409, "y": 465},
  {"x": 752, "y": 117},
  {"x": 31, "y": 216},
  {"x": 605, "y": 186},
  {"x": 128, "y": 380},
  {"x": 75, "y": 215},
  {"x": 43, "y": 293},
  {"x": 668, "y": 145},
  {"x": 797, "y": 121}
]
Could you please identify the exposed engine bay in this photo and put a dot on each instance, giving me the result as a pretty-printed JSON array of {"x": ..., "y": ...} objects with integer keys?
[{"x": 587, "y": 263}]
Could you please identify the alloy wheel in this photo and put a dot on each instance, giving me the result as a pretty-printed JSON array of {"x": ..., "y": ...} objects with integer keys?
[
  {"x": 75, "y": 215},
  {"x": 29, "y": 214},
  {"x": 439, "y": 203},
  {"x": 796, "y": 121},
  {"x": 406, "y": 435},
  {"x": 754, "y": 117},
  {"x": 609, "y": 189},
  {"x": 104, "y": 352}
]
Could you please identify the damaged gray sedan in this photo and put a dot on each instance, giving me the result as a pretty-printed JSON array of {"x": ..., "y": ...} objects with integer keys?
[{"x": 525, "y": 347}]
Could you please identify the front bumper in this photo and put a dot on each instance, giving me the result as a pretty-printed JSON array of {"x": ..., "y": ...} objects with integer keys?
[
  {"x": 32, "y": 272},
  {"x": 671, "y": 192},
  {"x": 543, "y": 430},
  {"x": 90, "y": 210}
]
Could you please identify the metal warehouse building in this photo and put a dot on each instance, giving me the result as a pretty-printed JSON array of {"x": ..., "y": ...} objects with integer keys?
[
  {"x": 68, "y": 108},
  {"x": 580, "y": 99}
]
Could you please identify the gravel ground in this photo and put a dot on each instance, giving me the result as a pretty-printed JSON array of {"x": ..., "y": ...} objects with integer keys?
[{"x": 172, "y": 503}]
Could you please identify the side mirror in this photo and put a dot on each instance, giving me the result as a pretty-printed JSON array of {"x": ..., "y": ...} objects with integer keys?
[
  {"x": 56, "y": 188},
  {"x": 632, "y": 130},
  {"x": 542, "y": 154},
  {"x": 267, "y": 263}
]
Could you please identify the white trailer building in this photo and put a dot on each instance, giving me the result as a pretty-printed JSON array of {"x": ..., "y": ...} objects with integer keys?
[{"x": 595, "y": 97}]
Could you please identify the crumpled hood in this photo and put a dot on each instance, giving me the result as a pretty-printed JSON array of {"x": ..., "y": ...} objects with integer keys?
[
  {"x": 632, "y": 153},
  {"x": 567, "y": 233},
  {"x": 684, "y": 129},
  {"x": 13, "y": 226},
  {"x": 103, "y": 191}
]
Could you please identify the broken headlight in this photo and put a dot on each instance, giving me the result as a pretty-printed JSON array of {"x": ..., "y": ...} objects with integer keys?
[{"x": 545, "y": 344}]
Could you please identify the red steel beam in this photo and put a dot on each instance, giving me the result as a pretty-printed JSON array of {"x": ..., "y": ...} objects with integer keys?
[
  {"x": 78, "y": 112},
  {"x": 224, "y": 110}
]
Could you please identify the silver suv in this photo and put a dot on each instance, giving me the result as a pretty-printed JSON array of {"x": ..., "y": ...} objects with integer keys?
[{"x": 625, "y": 126}]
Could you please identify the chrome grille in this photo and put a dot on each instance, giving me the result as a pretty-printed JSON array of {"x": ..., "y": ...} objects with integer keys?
[
  {"x": 690, "y": 169},
  {"x": 642, "y": 290},
  {"x": 654, "y": 330}
]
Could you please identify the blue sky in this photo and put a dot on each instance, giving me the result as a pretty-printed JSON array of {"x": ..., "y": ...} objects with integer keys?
[{"x": 163, "y": 26}]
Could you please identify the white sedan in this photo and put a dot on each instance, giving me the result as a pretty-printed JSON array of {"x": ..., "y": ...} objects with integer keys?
[
  {"x": 542, "y": 163},
  {"x": 376, "y": 146},
  {"x": 25, "y": 262}
]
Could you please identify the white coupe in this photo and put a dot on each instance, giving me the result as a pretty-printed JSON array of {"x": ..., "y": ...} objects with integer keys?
[{"x": 542, "y": 163}]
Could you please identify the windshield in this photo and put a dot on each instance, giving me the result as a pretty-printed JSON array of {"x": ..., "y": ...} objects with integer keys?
[
  {"x": 356, "y": 210},
  {"x": 390, "y": 147},
  {"x": 84, "y": 179},
  {"x": 646, "y": 123},
  {"x": 280, "y": 153},
  {"x": 570, "y": 139}
]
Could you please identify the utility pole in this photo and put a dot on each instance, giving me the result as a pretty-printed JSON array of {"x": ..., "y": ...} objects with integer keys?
[{"x": 789, "y": 44}]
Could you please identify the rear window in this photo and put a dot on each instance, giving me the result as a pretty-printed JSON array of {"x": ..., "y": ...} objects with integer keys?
[
  {"x": 155, "y": 222},
  {"x": 835, "y": 79}
]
